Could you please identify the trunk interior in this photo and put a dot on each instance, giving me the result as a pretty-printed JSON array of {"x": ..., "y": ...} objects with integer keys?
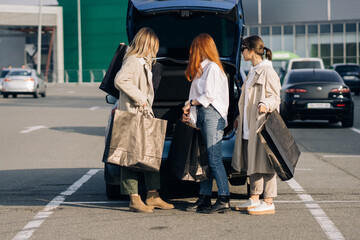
[{"x": 172, "y": 90}]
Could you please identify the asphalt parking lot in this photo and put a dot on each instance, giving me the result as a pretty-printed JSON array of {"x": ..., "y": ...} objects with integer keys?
[{"x": 52, "y": 186}]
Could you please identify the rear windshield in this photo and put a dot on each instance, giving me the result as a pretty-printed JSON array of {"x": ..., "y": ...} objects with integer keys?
[
  {"x": 3, "y": 73},
  {"x": 307, "y": 64},
  {"x": 20, "y": 73},
  {"x": 313, "y": 76},
  {"x": 176, "y": 33},
  {"x": 348, "y": 69}
]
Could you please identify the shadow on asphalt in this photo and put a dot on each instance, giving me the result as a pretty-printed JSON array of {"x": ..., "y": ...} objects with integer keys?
[
  {"x": 94, "y": 131},
  {"x": 314, "y": 124}
]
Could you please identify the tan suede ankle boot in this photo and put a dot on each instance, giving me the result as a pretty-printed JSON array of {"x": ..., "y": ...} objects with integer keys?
[
  {"x": 153, "y": 199},
  {"x": 137, "y": 205}
]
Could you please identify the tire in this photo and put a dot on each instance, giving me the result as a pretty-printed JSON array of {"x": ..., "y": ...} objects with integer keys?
[
  {"x": 5, "y": 95},
  {"x": 43, "y": 94},
  {"x": 36, "y": 94},
  {"x": 357, "y": 93},
  {"x": 14, "y": 95},
  {"x": 349, "y": 121}
]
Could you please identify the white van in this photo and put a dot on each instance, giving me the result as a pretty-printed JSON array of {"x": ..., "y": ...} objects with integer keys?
[{"x": 303, "y": 63}]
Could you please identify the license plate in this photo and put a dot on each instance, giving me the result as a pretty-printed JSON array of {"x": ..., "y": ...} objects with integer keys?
[
  {"x": 318, "y": 105},
  {"x": 350, "y": 78}
]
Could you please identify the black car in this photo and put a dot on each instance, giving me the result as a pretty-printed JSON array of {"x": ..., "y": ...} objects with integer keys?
[
  {"x": 316, "y": 94},
  {"x": 177, "y": 23},
  {"x": 350, "y": 73}
]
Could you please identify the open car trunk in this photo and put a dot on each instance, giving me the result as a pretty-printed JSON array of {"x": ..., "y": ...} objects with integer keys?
[{"x": 172, "y": 90}]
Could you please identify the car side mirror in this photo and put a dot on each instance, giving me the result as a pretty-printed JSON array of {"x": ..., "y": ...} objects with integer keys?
[{"x": 110, "y": 99}]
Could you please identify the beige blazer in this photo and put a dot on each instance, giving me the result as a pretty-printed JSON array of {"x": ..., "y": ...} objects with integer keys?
[
  {"x": 265, "y": 88},
  {"x": 134, "y": 81}
]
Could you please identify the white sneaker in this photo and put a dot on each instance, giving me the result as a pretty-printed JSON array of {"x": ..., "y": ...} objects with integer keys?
[
  {"x": 249, "y": 204},
  {"x": 262, "y": 209}
]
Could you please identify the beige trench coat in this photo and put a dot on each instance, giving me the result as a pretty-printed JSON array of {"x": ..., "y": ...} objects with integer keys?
[
  {"x": 265, "y": 88},
  {"x": 134, "y": 81}
]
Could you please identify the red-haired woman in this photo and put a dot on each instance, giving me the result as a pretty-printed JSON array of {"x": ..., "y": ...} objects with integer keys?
[{"x": 207, "y": 108}]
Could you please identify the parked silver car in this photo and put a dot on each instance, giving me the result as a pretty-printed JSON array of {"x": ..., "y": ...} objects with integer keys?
[
  {"x": 23, "y": 81},
  {"x": 3, "y": 73}
]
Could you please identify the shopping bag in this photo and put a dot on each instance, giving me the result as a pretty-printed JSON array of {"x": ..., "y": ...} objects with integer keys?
[
  {"x": 137, "y": 141},
  {"x": 187, "y": 157},
  {"x": 279, "y": 144},
  {"x": 107, "y": 85}
]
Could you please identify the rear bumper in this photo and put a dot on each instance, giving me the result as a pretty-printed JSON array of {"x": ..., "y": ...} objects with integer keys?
[
  {"x": 112, "y": 172},
  {"x": 297, "y": 110}
]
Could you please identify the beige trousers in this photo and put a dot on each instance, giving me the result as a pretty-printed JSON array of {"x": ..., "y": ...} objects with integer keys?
[{"x": 260, "y": 183}]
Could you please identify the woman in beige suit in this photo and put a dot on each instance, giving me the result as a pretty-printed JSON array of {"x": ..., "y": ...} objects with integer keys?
[
  {"x": 260, "y": 94},
  {"x": 134, "y": 82}
]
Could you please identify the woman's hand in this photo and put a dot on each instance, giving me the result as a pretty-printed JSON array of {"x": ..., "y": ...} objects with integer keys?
[
  {"x": 262, "y": 108},
  {"x": 186, "y": 110}
]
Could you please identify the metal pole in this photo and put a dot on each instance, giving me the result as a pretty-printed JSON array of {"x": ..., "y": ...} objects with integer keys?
[
  {"x": 79, "y": 43},
  {"x": 259, "y": 12},
  {"x": 39, "y": 40}
]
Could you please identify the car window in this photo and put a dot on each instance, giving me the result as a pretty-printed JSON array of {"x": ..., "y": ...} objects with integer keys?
[
  {"x": 3, "y": 73},
  {"x": 313, "y": 76},
  {"x": 20, "y": 73},
  {"x": 347, "y": 69},
  {"x": 305, "y": 64},
  {"x": 170, "y": 30}
]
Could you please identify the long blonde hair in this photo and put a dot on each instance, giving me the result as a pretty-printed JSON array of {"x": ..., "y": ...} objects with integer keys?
[{"x": 145, "y": 41}]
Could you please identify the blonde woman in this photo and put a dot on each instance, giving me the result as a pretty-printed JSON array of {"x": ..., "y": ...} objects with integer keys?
[
  {"x": 134, "y": 82},
  {"x": 260, "y": 94}
]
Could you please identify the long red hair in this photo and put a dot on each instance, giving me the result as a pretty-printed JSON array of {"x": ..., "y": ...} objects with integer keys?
[{"x": 202, "y": 47}]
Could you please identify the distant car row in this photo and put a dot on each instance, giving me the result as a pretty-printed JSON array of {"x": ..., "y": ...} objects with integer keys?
[{"x": 16, "y": 81}]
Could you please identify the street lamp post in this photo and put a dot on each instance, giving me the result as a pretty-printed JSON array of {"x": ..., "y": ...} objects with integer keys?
[
  {"x": 39, "y": 40},
  {"x": 79, "y": 43}
]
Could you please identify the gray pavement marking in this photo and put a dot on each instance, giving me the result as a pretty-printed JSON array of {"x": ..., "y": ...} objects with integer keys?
[
  {"x": 32, "y": 128},
  {"x": 356, "y": 130},
  {"x": 320, "y": 216},
  {"x": 35, "y": 223}
]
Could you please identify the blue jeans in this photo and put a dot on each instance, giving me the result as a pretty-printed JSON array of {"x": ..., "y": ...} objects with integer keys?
[{"x": 212, "y": 127}]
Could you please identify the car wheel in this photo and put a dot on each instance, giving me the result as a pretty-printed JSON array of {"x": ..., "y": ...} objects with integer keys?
[
  {"x": 5, "y": 95},
  {"x": 349, "y": 121},
  {"x": 357, "y": 93},
  {"x": 36, "y": 94},
  {"x": 113, "y": 192},
  {"x": 43, "y": 94},
  {"x": 14, "y": 95}
]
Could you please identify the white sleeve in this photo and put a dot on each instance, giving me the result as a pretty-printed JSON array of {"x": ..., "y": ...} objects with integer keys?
[{"x": 212, "y": 83}]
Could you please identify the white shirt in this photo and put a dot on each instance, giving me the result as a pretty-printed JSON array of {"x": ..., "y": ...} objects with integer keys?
[
  {"x": 248, "y": 83},
  {"x": 210, "y": 88}
]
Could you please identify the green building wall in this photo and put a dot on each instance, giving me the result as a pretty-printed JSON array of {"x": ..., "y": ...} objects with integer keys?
[{"x": 103, "y": 27}]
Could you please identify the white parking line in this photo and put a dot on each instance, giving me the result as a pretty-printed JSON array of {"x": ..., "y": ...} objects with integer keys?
[
  {"x": 341, "y": 156},
  {"x": 31, "y": 227},
  {"x": 32, "y": 128},
  {"x": 94, "y": 108},
  {"x": 356, "y": 130},
  {"x": 320, "y": 216}
]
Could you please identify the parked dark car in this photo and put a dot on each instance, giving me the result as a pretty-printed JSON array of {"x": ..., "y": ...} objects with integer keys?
[
  {"x": 350, "y": 73},
  {"x": 316, "y": 94},
  {"x": 176, "y": 23}
]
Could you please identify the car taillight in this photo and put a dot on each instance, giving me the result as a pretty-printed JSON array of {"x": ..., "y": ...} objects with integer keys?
[
  {"x": 29, "y": 79},
  {"x": 296, "y": 90},
  {"x": 340, "y": 105},
  {"x": 340, "y": 90},
  {"x": 7, "y": 80}
]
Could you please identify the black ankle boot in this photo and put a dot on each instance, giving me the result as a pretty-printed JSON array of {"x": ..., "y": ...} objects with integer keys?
[
  {"x": 202, "y": 204},
  {"x": 222, "y": 205}
]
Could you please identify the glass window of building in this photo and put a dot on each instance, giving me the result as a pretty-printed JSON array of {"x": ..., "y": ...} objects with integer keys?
[
  {"x": 276, "y": 30},
  {"x": 288, "y": 29},
  {"x": 254, "y": 31},
  {"x": 265, "y": 30},
  {"x": 351, "y": 27},
  {"x": 325, "y": 28},
  {"x": 338, "y": 51},
  {"x": 338, "y": 28},
  {"x": 300, "y": 29},
  {"x": 312, "y": 29}
]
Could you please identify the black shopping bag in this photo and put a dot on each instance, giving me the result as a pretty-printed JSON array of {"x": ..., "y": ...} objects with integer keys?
[
  {"x": 279, "y": 144},
  {"x": 107, "y": 85},
  {"x": 188, "y": 158}
]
